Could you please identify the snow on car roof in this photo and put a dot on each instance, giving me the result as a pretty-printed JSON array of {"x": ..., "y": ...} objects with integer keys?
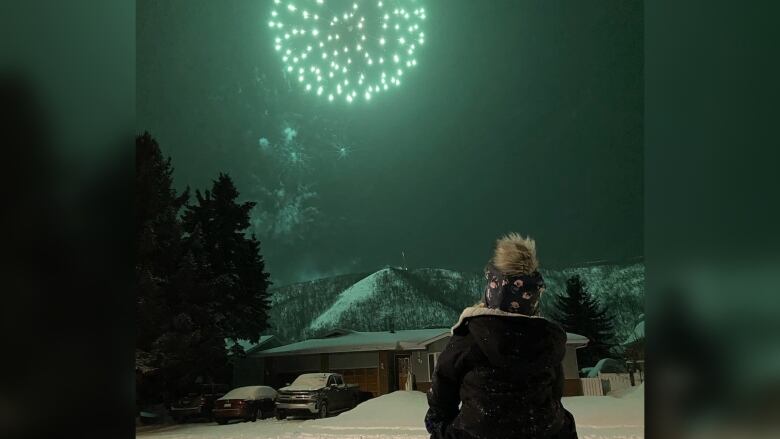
[
  {"x": 311, "y": 379},
  {"x": 251, "y": 393}
]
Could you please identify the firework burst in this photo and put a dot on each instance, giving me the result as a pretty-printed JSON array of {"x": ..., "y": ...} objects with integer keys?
[{"x": 347, "y": 50}]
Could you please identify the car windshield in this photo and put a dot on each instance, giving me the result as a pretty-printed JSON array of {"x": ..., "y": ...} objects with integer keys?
[{"x": 311, "y": 380}]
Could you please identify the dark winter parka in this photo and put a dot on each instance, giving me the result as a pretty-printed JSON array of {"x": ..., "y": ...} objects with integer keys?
[{"x": 505, "y": 370}]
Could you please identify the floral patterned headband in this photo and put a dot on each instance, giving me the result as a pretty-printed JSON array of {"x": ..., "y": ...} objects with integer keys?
[{"x": 514, "y": 293}]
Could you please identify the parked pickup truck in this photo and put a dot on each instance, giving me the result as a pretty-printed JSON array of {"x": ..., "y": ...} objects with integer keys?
[{"x": 316, "y": 394}]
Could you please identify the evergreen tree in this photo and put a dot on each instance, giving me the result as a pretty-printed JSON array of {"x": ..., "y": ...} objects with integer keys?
[
  {"x": 158, "y": 237},
  {"x": 232, "y": 267},
  {"x": 581, "y": 314},
  {"x": 158, "y": 251},
  {"x": 200, "y": 278},
  {"x": 192, "y": 347}
]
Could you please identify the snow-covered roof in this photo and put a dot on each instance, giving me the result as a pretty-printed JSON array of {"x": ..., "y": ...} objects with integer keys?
[
  {"x": 605, "y": 365},
  {"x": 576, "y": 339},
  {"x": 248, "y": 346},
  {"x": 344, "y": 340},
  {"x": 636, "y": 335}
]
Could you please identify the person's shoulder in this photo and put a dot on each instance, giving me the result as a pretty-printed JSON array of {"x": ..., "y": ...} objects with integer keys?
[
  {"x": 481, "y": 313},
  {"x": 458, "y": 346},
  {"x": 461, "y": 326},
  {"x": 461, "y": 339},
  {"x": 553, "y": 329}
]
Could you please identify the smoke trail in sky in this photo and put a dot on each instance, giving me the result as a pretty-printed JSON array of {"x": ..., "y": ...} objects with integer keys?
[{"x": 285, "y": 214}]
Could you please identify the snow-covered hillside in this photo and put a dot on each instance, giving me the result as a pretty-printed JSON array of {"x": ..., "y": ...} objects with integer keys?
[
  {"x": 387, "y": 297},
  {"x": 294, "y": 307},
  {"x": 361, "y": 291},
  {"x": 432, "y": 297}
]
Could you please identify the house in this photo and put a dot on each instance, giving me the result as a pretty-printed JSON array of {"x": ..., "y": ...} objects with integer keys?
[
  {"x": 378, "y": 362},
  {"x": 251, "y": 370},
  {"x": 572, "y": 385}
]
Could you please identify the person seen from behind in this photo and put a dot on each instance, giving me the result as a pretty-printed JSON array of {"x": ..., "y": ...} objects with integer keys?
[{"x": 501, "y": 374}]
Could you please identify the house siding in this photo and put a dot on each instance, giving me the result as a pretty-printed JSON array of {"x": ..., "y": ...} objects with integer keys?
[
  {"x": 298, "y": 363},
  {"x": 419, "y": 363},
  {"x": 354, "y": 360},
  {"x": 249, "y": 372},
  {"x": 384, "y": 372},
  {"x": 570, "y": 369},
  {"x": 423, "y": 378},
  {"x": 438, "y": 345}
]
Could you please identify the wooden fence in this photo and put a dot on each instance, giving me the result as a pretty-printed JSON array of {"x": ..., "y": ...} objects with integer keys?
[
  {"x": 605, "y": 383},
  {"x": 592, "y": 387},
  {"x": 617, "y": 381}
]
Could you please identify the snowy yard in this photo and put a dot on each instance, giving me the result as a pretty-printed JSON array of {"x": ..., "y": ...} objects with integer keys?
[{"x": 400, "y": 415}]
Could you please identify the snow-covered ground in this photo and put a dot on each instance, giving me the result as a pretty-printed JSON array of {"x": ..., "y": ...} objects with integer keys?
[{"x": 400, "y": 415}]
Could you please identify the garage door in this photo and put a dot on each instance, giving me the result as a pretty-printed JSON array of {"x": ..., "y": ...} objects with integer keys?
[{"x": 367, "y": 378}]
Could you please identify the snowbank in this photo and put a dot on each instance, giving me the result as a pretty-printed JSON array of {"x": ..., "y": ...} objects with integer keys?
[
  {"x": 395, "y": 413},
  {"x": 630, "y": 392},
  {"x": 609, "y": 416},
  {"x": 399, "y": 415}
]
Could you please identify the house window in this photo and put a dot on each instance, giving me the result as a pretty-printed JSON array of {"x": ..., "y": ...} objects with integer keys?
[{"x": 433, "y": 358}]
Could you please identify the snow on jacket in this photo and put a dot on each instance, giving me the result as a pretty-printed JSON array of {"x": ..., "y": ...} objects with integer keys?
[{"x": 505, "y": 371}]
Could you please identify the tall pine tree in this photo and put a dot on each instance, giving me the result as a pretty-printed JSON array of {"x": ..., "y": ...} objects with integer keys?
[
  {"x": 159, "y": 248},
  {"x": 238, "y": 283},
  {"x": 200, "y": 278},
  {"x": 158, "y": 237},
  {"x": 581, "y": 314}
]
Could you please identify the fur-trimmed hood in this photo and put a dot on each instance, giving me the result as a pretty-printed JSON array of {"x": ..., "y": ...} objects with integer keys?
[
  {"x": 481, "y": 310},
  {"x": 509, "y": 339}
]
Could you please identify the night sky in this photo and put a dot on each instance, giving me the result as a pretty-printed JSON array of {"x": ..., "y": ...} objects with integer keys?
[{"x": 520, "y": 116}]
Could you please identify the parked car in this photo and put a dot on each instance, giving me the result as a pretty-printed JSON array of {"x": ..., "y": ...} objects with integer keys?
[
  {"x": 198, "y": 403},
  {"x": 247, "y": 403},
  {"x": 316, "y": 394}
]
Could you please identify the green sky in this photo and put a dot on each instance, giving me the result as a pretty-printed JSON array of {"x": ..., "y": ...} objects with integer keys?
[{"x": 520, "y": 116}]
